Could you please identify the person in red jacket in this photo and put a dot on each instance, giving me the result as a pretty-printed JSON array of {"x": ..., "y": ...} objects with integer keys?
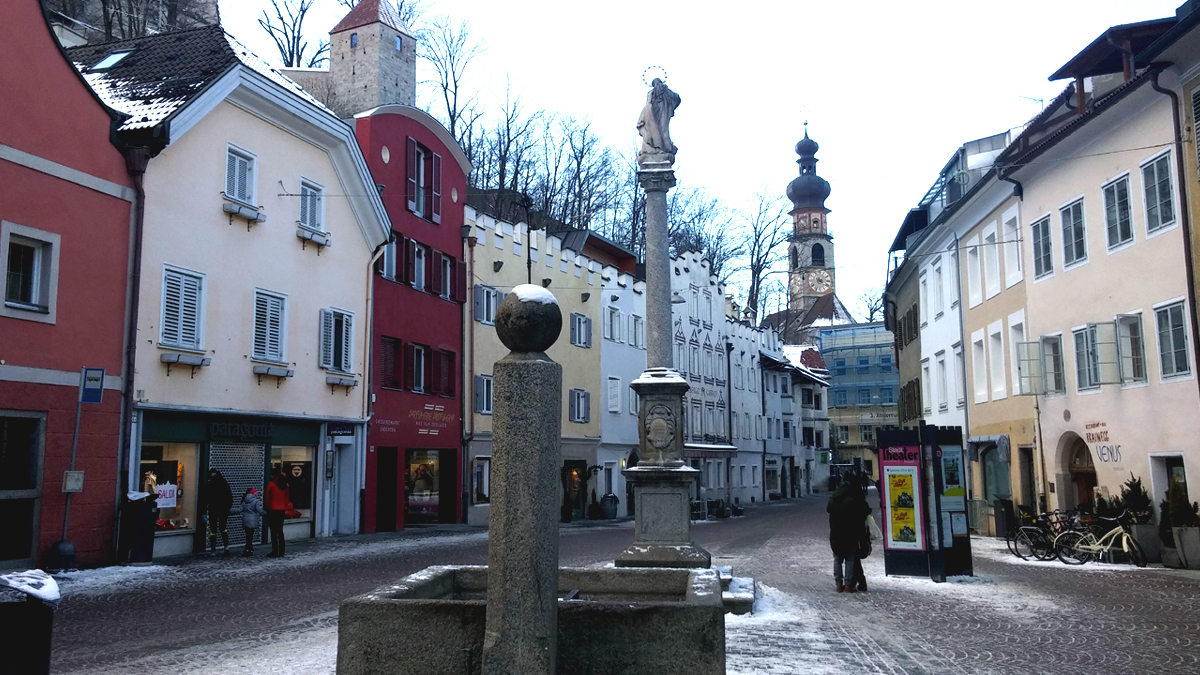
[{"x": 277, "y": 499}]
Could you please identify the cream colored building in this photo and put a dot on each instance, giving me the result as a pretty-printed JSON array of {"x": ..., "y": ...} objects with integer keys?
[
  {"x": 261, "y": 227},
  {"x": 497, "y": 261}
]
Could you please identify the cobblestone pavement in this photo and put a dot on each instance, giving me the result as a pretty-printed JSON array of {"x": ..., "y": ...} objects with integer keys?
[{"x": 214, "y": 614}]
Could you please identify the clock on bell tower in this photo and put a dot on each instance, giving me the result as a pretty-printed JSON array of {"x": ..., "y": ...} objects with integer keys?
[{"x": 810, "y": 254}]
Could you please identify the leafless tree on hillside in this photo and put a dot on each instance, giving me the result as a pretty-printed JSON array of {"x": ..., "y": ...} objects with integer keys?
[
  {"x": 450, "y": 49},
  {"x": 286, "y": 28}
]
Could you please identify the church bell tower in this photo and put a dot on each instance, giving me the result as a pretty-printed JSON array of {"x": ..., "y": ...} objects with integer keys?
[{"x": 810, "y": 250}]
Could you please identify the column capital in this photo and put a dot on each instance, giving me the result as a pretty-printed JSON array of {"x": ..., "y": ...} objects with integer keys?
[{"x": 656, "y": 181}]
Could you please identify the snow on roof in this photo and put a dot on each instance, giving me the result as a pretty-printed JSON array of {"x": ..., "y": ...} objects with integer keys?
[
  {"x": 534, "y": 293},
  {"x": 163, "y": 73}
]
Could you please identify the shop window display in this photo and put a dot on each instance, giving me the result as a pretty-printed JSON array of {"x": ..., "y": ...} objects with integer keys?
[
  {"x": 296, "y": 461},
  {"x": 169, "y": 470}
]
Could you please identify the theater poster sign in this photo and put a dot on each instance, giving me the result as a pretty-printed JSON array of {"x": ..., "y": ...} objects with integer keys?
[{"x": 903, "y": 517}]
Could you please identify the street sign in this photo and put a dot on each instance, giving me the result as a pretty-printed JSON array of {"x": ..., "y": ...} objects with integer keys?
[{"x": 92, "y": 390}]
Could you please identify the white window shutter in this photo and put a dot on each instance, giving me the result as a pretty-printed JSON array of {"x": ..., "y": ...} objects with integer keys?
[
  {"x": 326, "y": 338},
  {"x": 261, "y": 328},
  {"x": 172, "y": 298},
  {"x": 189, "y": 325},
  {"x": 243, "y": 178},
  {"x": 347, "y": 364},
  {"x": 231, "y": 172},
  {"x": 614, "y": 395},
  {"x": 575, "y": 329},
  {"x": 478, "y": 393},
  {"x": 479, "y": 291}
]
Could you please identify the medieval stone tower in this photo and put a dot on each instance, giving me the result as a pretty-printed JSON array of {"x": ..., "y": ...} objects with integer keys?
[
  {"x": 810, "y": 252},
  {"x": 372, "y": 60}
]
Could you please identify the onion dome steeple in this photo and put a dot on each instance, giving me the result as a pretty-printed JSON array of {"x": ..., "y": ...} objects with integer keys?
[{"x": 808, "y": 190}]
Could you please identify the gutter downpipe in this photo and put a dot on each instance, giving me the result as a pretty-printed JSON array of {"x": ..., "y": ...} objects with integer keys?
[
  {"x": 1184, "y": 212},
  {"x": 360, "y": 516},
  {"x": 468, "y": 351},
  {"x": 1018, "y": 190},
  {"x": 136, "y": 161}
]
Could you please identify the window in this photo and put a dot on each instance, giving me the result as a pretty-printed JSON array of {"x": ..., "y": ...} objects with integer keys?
[
  {"x": 923, "y": 301},
  {"x": 1172, "y": 340},
  {"x": 389, "y": 355},
  {"x": 1012, "y": 248},
  {"x": 841, "y": 398},
  {"x": 447, "y": 277},
  {"x": 1074, "y": 235},
  {"x": 1052, "y": 365},
  {"x": 1087, "y": 359},
  {"x": 974, "y": 290},
  {"x": 708, "y": 304},
  {"x": 979, "y": 368},
  {"x": 864, "y": 396},
  {"x": 885, "y": 363},
  {"x": 399, "y": 43},
  {"x": 633, "y": 402},
  {"x": 1131, "y": 347},
  {"x": 581, "y": 330},
  {"x": 680, "y": 359},
  {"x": 787, "y": 429},
  {"x": 1016, "y": 337},
  {"x": 806, "y": 398},
  {"x": 354, "y": 40},
  {"x": 29, "y": 260},
  {"x": 420, "y": 255},
  {"x": 939, "y": 295},
  {"x": 418, "y": 371},
  {"x": 843, "y": 433},
  {"x": 239, "y": 175},
  {"x": 942, "y": 400},
  {"x": 926, "y": 385},
  {"x": 1117, "y": 219},
  {"x": 816, "y": 401},
  {"x": 839, "y": 367},
  {"x": 694, "y": 368},
  {"x": 867, "y": 434},
  {"x": 991, "y": 262},
  {"x": 996, "y": 361},
  {"x": 443, "y": 379},
  {"x": 820, "y": 438},
  {"x": 481, "y": 479},
  {"x": 312, "y": 206},
  {"x": 697, "y": 420},
  {"x": 786, "y": 382},
  {"x": 1160, "y": 207},
  {"x": 390, "y": 262},
  {"x": 269, "y": 326},
  {"x": 960, "y": 370},
  {"x": 1043, "y": 262},
  {"x": 22, "y": 443},
  {"x": 424, "y": 183},
  {"x": 612, "y": 324},
  {"x": 487, "y": 299},
  {"x": 580, "y": 406},
  {"x": 337, "y": 340},
  {"x": 183, "y": 309},
  {"x": 637, "y": 331},
  {"x": 864, "y": 365},
  {"x": 483, "y": 394},
  {"x": 110, "y": 60},
  {"x": 887, "y": 395},
  {"x": 614, "y": 394}
]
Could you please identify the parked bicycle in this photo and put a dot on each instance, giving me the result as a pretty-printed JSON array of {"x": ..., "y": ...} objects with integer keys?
[
  {"x": 1034, "y": 539},
  {"x": 1078, "y": 546}
]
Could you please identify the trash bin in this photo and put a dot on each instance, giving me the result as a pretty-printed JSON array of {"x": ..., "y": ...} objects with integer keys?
[
  {"x": 608, "y": 506},
  {"x": 135, "y": 540},
  {"x": 27, "y": 604}
]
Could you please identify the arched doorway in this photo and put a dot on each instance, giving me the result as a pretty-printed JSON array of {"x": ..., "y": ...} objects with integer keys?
[{"x": 1079, "y": 466}]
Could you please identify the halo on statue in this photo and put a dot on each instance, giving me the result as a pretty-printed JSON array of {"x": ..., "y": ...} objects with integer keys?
[{"x": 652, "y": 72}]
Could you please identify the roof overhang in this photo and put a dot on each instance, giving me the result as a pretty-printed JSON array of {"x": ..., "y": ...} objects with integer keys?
[
  {"x": 1102, "y": 58},
  {"x": 915, "y": 221},
  {"x": 429, "y": 122},
  {"x": 1162, "y": 47}
]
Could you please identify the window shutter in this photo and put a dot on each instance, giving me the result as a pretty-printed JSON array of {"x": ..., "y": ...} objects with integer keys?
[
  {"x": 1029, "y": 368},
  {"x": 189, "y": 324},
  {"x": 575, "y": 329},
  {"x": 1107, "y": 354},
  {"x": 231, "y": 172},
  {"x": 479, "y": 393},
  {"x": 436, "y": 273},
  {"x": 608, "y": 328},
  {"x": 479, "y": 291},
  {"x": 172, "y": 299},
  {"x": 410, "y": 258},
  {"x": 347, "y": 364},
  {"x": 587, "y": 406},
  {"x": 429, "y": 268},
  {"x": 326, "y": 338},
  {"x": 460, "y": 281},
  {"x": 435, "y": 194},
  {"x": 305, "y": 211},
  {"x": 435, "y": 376},
  {"x": 387, "y": 362},
  {"x": 410, "y": 190},
  {"x": 587, "y": 331},
  {"x": 448, "y": 378},
  {"x": 410, "y": 365},
  {"x": 614, "y": 395},
  {"x": 1196, "y": 116}
]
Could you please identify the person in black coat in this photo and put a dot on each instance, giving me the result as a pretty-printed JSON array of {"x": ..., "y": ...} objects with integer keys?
[
  {"x": 848, "y": 511},
  {"x": 218, "y": 499}
]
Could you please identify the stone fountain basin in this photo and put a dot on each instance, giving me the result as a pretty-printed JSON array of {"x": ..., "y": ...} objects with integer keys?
[{"x": 611, "y": 621}]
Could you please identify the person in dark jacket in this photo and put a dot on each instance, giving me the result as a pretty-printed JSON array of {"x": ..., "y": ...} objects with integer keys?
[
  {"x": 848, "y": 511},
  {"x": 219, "y": 500},
  {"x": 252, "y": 512},
  {"x": 277, "y": 500}
]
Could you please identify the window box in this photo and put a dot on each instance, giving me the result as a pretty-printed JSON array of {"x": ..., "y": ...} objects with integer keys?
[
  {"x": 306, "y": 235},
  {"x": 252, "y": 215},
  {"x": 194, "y": 361}
]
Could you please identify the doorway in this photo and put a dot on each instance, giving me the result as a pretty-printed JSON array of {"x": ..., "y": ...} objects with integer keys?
[
  {"x": 574, "y": 479},
  {"x": 422, "y": 486},
  {"x": 387, "y": 472}
]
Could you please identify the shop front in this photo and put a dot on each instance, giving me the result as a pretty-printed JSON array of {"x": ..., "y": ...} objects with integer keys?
[{"x": 178, "y": 450}]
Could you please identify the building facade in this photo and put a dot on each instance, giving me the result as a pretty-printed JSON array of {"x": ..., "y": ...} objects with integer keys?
[{"x": 863, "y": 389}]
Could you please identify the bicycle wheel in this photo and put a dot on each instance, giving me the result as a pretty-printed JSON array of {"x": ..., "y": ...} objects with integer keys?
[
  {"x": 1011, "y": 541},
  {"x": 1134, "y": 550},
  {"x": 1043, "y": 546},
  {"x": 1022, "y": 546},
  {"x": 1069, "y": 547}
]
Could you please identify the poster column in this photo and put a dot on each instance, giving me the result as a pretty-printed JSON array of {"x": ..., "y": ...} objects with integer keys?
[
  {"x": 904, "y": 525},
  {"x": 948, "y": 467}
]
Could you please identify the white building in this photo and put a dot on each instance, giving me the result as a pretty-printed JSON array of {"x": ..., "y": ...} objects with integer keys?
[{"x": 622, "y": 360}]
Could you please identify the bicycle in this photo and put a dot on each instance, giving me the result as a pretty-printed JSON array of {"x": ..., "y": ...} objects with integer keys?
[
  {"x": 1076, "y": 547},
  {"x": 1035, "y": 538}
]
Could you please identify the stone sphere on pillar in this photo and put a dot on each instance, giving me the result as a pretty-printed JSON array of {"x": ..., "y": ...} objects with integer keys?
[{"x": 529, "y": 319}]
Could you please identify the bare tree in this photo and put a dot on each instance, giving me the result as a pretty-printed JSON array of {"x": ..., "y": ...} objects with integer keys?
[
  {"x": 764, "y": 234},
  {"x": 449, "y": 48},
  {"x": 871, "y": 304},
  {"x": 286, "y": 28},
  {"x": 697, "y": 221}
]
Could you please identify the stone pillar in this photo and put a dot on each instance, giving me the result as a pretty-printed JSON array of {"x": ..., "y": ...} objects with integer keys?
[
  {"x": 661, "y": 481},
  {"x": 521, "y": 634},
  {"x": 658, "y": 268}
]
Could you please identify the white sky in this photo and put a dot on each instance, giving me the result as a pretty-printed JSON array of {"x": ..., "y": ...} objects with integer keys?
[{"x": 890, "y": 89}]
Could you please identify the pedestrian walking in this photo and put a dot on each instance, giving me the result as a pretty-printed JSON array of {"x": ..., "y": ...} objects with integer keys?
[
  {"x": 847, "y": 510},
  {"x": 252, "y": 512},
  {"x": 277, "y": 500},
  {"x": 218, "y": 500}
]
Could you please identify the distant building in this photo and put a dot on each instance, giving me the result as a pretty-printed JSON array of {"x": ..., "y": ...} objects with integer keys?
[{"x": 863, "y": 385}]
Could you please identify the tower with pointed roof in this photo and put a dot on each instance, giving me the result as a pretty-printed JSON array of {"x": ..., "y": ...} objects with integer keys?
[
  {"x": 810, "y": 250},
  {"x": 372, "y": 59}
]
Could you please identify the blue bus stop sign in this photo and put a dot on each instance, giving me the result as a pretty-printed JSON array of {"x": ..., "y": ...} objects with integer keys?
[{"x": 93, "y": 385}]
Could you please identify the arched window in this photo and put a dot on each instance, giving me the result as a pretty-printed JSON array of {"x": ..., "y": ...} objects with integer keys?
[
  {"x": 818, "y": 255},
  {"x": 795, "y": 259},
  {"x": 354, "y": 40}
]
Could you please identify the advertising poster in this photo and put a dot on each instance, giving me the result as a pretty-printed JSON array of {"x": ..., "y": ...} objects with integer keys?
[
  {"x": 903, "y": 516},
  {"x": 954, "y": 489}
]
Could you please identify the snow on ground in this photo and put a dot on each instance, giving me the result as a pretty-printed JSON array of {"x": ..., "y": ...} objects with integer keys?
[
  {"x": 996, "y": 549},
  {"x": 783, "y": 636},
  {"x": 106, "y": 580}
]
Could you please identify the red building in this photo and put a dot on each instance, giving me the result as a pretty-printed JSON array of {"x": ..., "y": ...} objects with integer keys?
[
  {"x": 65, "y": 241},
  {"x": 414, "y": 468}
]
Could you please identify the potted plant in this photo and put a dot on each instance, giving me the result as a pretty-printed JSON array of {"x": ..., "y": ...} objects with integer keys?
[
  {"x": 1185, "y": 526},
  {"x": 1140, "y": 507}
]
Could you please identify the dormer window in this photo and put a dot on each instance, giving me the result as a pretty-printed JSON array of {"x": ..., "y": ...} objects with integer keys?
[
  {"x": 354, "y": 40},
  {"x": 111, "y": 60}
]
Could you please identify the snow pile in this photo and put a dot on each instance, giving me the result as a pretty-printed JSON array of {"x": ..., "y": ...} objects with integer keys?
[
  {"x": 783, "y": 636},
  {"x": 104, "y": 580},
  {"x": 534, "y": 293},
  {"x": 32, "y": 582}
]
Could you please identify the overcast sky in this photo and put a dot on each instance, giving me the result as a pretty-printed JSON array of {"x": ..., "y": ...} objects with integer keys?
[{"x": 890, "y": 89}]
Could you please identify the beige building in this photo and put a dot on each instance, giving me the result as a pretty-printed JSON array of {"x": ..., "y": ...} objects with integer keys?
[
  {"x": 261, "y": 226},
  {"x": 498, "y": 260}
]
